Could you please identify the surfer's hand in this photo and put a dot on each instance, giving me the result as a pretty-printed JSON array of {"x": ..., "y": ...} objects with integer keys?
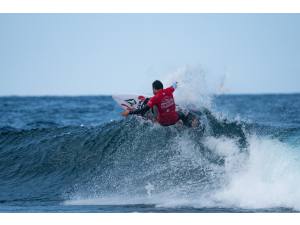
[
  {"x": 125, "y": 113},
  {"x": 175, "y": 84}
]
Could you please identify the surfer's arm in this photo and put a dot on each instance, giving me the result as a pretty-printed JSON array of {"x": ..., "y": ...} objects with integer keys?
[
  {"x": 172, "y": 88},
  {"x": 174, "y": 85},
  {"x": 140, "y": 111}
]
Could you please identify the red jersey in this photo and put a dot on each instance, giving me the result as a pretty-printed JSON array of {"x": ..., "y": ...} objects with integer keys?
[{"x": 164, "y": 101}]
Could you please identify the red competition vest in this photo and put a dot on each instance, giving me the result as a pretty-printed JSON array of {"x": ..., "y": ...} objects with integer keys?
[{"x": 164, "y": 101}]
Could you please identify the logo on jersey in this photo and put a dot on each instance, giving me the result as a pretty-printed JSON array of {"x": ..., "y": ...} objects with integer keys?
[{"x": 167, "y": 102}]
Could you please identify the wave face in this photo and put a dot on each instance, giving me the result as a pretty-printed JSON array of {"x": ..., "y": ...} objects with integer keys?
[{"x": 78, "y": 151}]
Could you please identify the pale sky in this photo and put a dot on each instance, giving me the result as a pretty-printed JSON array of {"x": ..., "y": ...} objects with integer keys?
[{"x": 92, "y": 54}]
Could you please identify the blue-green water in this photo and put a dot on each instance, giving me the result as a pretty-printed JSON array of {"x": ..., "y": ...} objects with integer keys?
[{"x": 76, "y": 154}]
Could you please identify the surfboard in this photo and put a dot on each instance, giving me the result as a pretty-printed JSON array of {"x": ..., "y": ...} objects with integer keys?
[
  {"x": 129, "y": 102},
  {"x": 133, "y": 102}
]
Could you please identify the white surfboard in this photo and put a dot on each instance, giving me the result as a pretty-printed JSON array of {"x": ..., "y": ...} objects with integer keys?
[{"x": 129, "y": 102}]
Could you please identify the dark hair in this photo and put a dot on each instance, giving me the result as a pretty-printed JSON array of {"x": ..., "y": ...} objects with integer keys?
[{"x": 157, "y": 85}]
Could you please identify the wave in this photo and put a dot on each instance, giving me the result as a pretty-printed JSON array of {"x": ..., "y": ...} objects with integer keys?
[
  {"x": 136, "y": 162},
  {"x": 55, "y": 162}
]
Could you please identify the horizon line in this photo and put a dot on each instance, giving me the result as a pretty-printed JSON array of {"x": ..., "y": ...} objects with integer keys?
[{"x": 108, "y": 95}]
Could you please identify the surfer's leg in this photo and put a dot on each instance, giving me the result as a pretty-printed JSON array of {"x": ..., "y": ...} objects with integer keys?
[
  {"x": 183, "y": 118},
  {"x": 154, "y": 113},
  {"x": 188, "y": 120}
]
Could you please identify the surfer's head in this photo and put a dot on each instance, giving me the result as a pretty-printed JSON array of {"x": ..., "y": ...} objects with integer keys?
[{"x": 156, "y": 86}]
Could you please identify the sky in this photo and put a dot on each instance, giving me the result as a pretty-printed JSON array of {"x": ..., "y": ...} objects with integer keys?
[{"x": 92, "y": 54}]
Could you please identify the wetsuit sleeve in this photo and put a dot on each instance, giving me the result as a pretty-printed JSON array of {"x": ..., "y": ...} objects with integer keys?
[{"x": 140, "y": 111}]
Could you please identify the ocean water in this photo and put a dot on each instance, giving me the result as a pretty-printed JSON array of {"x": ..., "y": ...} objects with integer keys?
[{"x": 76, "y": 154}]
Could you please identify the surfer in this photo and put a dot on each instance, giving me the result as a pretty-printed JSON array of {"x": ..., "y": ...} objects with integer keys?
[{"x": 164, "y": 106}]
